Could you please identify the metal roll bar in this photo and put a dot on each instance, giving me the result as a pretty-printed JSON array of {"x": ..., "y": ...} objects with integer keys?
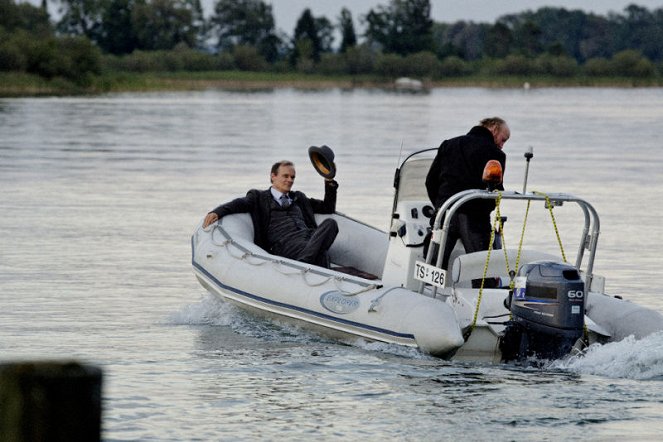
[{"x": 588, "y": 240}]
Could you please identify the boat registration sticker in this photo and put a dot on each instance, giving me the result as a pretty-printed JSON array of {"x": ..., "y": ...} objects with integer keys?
[
  {"x": 429, "y": 274},
  {"x": 520, "y": 284}
]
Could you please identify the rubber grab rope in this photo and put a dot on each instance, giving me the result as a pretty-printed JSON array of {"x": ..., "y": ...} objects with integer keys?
[{"x": 280, "y": 265}]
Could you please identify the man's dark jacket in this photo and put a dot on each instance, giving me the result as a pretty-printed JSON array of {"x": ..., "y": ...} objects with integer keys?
[
  {"x": 459, "y": 166},
  {"x": 258, "y": 203}
]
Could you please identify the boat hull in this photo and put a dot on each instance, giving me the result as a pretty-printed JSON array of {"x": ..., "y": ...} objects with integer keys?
[{"x": 327, "y": 301}]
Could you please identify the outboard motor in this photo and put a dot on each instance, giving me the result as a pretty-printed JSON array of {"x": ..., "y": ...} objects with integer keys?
[{"x": 548, "y": 310}]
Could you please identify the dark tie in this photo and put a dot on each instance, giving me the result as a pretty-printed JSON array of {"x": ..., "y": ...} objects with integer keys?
[{"x": 285, "y": 202}]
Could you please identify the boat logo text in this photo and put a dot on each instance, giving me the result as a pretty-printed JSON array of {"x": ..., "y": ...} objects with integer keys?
[{"x": 336, "y": 302}]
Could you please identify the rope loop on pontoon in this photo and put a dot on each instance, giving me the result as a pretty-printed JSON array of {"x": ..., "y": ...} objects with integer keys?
[
  {"x": 220, "y": 244},
  {"x": 283, "y": 266},
  {"x": 361, "y": 290},
  {"x": 280, "y": 267},
  {"x": 310, "y": 284}
]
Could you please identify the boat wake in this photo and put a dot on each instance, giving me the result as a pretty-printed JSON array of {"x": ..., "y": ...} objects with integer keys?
[
  {"x": 212, "y": 311},
  {"x": 208, "y": 311},
  {"x": 628, "y": 359}
]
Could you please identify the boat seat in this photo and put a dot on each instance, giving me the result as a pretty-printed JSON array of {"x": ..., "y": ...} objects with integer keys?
[
  {"x": 467, "y": 269},
  {"x": 358, "y": 250},
  {"x": 357, "y": 246}
]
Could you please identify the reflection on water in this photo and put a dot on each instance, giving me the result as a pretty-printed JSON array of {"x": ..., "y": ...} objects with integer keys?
[{"x": 100, "y": 195}]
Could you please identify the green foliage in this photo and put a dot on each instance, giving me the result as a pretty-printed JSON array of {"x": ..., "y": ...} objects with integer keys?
[
  {"x": 513, "y": 65},
  {"x": 12, "y": 57},
  {"x": 332, "y": 64},
  {"x": 642, "y": 30},
  {"x": 312, "y": 37},
  {"x": 24, "y": 16},
  {"x": 182, "y": 58},
  {"x": 81, "y": 58},
  {"x": 163, "y": 24},
  {"x": 465, "y": 40},
  {"x": 556, "y": 66},
  {"x": 422, "y": 64},
  {"x": 454, "y": 66},
  {"x": 81, "y": 17},
  {"x": 359, "y": 60},
  {"x": 347, "y": 27},
  {"x": 498, "y": 41},
  {"x": 400, "y": 40},
  {"x": 245, "y": 22},
  {"x": 117, "y": 34},
  {"x": 120, "y": 26},
  {"x": 390, "y": 65},
  {"x": 631, "y": 63},
  {"x": 597, "y": 67},
  {"x": 404, "y": 27},
  {"x": 247, "y": 58},
  {"x": 73, "y": 58}
]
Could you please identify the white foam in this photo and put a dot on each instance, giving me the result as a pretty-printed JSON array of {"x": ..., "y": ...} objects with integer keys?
[
  {"x": 392, "y": 349},
  {"x": 630, "y": 359},
  {"x": 208, "y": 311}
]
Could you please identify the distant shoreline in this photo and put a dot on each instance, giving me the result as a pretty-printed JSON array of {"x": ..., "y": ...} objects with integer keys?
[{"x": 27, "y": 85}]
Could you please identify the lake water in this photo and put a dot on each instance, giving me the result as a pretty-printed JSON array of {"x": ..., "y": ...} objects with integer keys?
[{"x": 99, "y": 197}]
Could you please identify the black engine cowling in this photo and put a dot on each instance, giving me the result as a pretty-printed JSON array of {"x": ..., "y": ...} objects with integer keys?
[{"x": 548, "y": 311}]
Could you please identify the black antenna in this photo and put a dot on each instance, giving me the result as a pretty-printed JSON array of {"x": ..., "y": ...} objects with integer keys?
[{"x": 528, "y": 156}]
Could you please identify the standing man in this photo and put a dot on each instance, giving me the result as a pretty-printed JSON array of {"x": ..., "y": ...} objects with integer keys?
[
  {"x": 459, "y": 166},
  {"x": 283, "y": 220}
]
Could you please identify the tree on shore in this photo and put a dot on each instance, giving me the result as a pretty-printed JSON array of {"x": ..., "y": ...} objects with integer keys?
[
  {"x": 311, "y": 38},
  {"x": 348, "y": 35},
  {"x": 245, "y": 23},
  {"x": 404, "y": 27}
]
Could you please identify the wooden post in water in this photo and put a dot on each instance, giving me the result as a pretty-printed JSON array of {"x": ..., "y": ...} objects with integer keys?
[{"x": 50, "y": 401}]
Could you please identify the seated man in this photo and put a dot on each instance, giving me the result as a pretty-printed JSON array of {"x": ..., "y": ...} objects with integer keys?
[{"x": 283, "y": 220}]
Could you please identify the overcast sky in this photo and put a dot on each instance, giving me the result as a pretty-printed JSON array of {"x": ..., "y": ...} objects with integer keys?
[{"x": 286, "y": 12}]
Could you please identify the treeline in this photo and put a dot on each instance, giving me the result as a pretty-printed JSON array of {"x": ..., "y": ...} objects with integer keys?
[{"x": 395, "y": 39}]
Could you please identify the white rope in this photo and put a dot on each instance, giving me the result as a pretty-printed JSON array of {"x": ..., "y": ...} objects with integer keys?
[
  {"x": 281, "y": 266},
  {"x": 310, "y": 284}
]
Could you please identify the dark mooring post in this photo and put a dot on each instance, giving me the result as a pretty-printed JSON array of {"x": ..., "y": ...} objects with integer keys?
[{"x": 50, "y": 401}]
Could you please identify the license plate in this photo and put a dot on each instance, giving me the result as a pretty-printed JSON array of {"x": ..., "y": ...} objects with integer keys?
[{"x": 429, "y": 274}]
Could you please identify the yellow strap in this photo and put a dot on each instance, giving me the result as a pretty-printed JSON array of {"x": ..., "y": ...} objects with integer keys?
[
  {"x": 552, "y": 216},
  {"x": 485, "y": 267}
]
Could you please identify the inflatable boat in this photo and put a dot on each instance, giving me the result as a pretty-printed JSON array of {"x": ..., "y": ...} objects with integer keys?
[{"x": 498, "y": 305}]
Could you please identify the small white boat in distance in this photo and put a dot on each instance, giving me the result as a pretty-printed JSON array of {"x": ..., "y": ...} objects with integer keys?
[
  {"x": 408, "y": 84},
  {"x": 381, "y": 287}
]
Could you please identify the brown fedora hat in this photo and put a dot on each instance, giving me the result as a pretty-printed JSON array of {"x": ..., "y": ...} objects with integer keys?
[{"x": 322, "y": 159}]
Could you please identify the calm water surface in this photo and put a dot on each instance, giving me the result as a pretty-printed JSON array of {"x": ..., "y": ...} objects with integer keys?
[{"x": 99, "y": 196}]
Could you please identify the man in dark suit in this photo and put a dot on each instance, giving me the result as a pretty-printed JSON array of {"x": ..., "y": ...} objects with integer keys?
[
  {"x": 459, "y": 166},
  {"x": 283, "y": 220}
]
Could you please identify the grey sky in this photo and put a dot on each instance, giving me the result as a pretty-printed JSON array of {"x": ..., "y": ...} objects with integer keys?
[{"x": 286, "y": 12}]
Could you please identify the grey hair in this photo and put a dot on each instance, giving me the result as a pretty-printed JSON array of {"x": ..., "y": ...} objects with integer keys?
[{"x": 492, "y": 122}]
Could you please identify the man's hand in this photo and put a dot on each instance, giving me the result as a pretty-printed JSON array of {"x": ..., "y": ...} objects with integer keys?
[{"x": 210, "y": 219}]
